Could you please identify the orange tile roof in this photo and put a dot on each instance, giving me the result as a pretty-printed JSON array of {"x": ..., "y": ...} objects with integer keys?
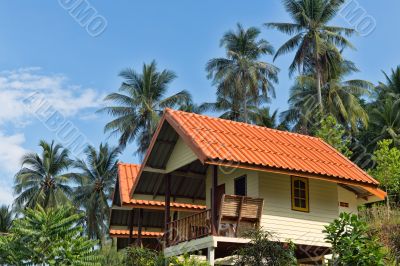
[
  {"x": 125, "y": 233},
  {"x": 218, "y": 140},
  {"x": 127, "y": 174}
]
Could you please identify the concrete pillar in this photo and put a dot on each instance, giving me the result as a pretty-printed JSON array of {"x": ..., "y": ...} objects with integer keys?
[{"x": 211, "y": 255}]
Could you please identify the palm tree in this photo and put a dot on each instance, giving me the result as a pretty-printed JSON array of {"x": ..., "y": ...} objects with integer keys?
[
  {"x": 96, "y": 181},
  {"x": 139, "y": 104},
  {"x": 313, "y": 38},
  {"x": 341, "y": 98},
  {"x": 241, "y": 73},
  {"x": 6, "y": 218},
  {"x": 391, "y": 88},
  {"x": 263, "y": 117},
  {"x": 43, "y": 180},
  {"x": 385, "y": 121},
  {"x": 230, "y": 107}
]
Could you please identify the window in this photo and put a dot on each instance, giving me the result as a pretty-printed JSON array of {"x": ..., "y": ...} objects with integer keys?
[
  {"x": 300, "y": 194},
  {"x": 240, "y": 186}
]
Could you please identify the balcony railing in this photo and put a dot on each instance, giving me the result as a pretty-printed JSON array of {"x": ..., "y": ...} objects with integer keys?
[
  {"x": 236, "y": 215},
  {"x": 191, "y": 227}
]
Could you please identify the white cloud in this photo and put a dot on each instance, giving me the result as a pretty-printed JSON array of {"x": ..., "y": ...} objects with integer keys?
[
  {"x": 11, "y": 152},
  {"x": 16, "y": 85}
]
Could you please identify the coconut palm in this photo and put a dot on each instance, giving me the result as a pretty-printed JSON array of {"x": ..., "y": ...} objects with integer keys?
[
  {"x": 312, "y": 37},
  {"x": 139, "y": 104},
  {"x": 6, "y": 218},
  {"x": 241, "y": 73},
  {"x": 263, "y": 117},
  {"x": 230, "y": 107},
  {"x": 96, "y": 181},
  {"x": 43, "y": 179},
  {"x": 341, "y": 98},
  {"x": 390, "y": 88},
  {"x": 385, "y": 121}
]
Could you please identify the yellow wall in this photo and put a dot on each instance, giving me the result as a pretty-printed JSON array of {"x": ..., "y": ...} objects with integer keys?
[
  {"x": 301, "y": 227},
  {"x": 181, "y": 155}
]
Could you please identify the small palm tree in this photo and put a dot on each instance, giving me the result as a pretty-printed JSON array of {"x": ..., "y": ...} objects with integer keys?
[
  {"x": 139, "y": 104},
  {"x": 390, "y": 88},
  {"x": 385, "y": 121},
  {"x": 6, "y": 218},
  {"x": 96, "y": 181},
  {"x": 241, "y": 73},
  {"x": 263, "y": 117},
  {"x": 43, "y": 179},
  {"x": 313, "y": 38}
]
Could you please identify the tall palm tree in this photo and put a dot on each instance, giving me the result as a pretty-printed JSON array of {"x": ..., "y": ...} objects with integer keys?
[
  {"x": 96, "y": 180},
  {"x": 43, "y": 179},
  {"x": 6, "y": 218},
  {"x": 241, "y": 73},
  {"x": 139, "y": 104},
  {"x": 312, "y": 37}
]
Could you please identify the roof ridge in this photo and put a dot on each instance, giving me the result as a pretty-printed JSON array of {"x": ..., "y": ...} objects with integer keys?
[{"x": 242, "y": 123}]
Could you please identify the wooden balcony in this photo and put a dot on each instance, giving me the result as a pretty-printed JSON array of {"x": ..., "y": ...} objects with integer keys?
[{"x": 236, "y": 215}]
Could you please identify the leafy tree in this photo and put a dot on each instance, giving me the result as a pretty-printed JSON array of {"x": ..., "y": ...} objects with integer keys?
[
  {"x": 139, "y": 104},
  {"x": 265, "y": 251},
  {"x": 351, "y": 243},
  {"x": 334, "y": 134},
  {"x": 315, "y": 42},
  {"x": 387, "y": 167},
  {"x": 48, "y": 237},
  {"x": 96, "y": 183},
  {"x": 43, "y": 179},
  {"x": 241, "y": 75},
  {"x": 6, "y": 218},
  {"x": 111, "y": 257}
]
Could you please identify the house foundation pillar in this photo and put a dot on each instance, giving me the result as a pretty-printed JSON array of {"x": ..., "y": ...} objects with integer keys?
[{"x": 211, "y": 255}]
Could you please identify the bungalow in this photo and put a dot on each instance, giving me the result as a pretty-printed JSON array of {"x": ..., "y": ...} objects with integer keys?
[{"x": 247, "y": 176}]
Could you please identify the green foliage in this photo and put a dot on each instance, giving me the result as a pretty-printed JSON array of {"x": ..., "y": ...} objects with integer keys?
[
  {"x": 351, "y": 242},
  {"x": 6, "y": 218},
  {"x": 263, "y": 250},
  {"x": 48, "y": 237},
  {"x": 387, "y": 169},
  {"x": 142, "y": 256},
  {"x": 96, "y": 181},
  {"x": 111, "y": 257},
  {"x": 139, "y": 104},
  {"x": 43, "y": 180},
  {"x": 334, "y": 134},
  {"x": 241, "y": 76}
]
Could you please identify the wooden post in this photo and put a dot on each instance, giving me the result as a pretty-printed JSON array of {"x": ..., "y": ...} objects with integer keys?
[
  {"x": 167, "y": 207},
  {"x": 214, "y": 203},
  {"x": 130, "y": 225},
  {"x": 140, "y": 221}
]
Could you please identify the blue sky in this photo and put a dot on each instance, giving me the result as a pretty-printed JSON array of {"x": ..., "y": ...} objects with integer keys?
[{"x": 43, "y": 49}]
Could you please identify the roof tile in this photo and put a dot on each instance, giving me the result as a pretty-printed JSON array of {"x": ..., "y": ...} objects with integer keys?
[{"x": 219, "y": 139}]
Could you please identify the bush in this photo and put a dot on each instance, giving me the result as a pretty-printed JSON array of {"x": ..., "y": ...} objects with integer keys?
[
  {"x": 136, "y": 256},
  {"x": 263, "y": 250},
  {"x": 352, "y": 243}
]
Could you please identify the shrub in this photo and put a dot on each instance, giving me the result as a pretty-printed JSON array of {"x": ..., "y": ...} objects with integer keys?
[
  {"x": 264, "y": 250},
  {"x": 352, "y": 243}
]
